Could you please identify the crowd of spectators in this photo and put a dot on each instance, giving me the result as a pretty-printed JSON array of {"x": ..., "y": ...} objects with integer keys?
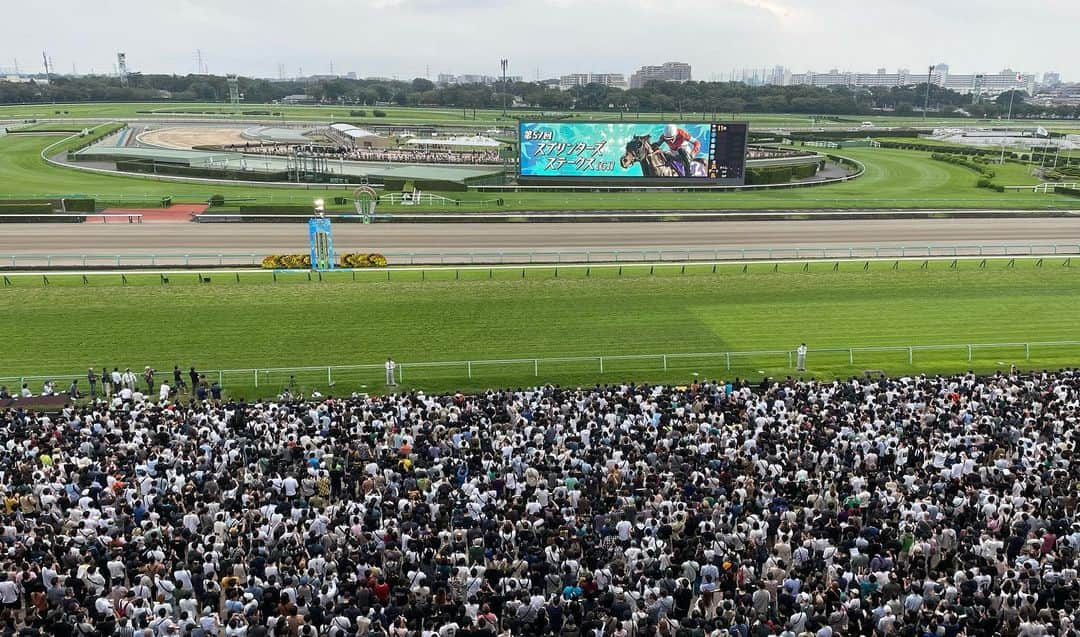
[
  {"x": 395, "y": 155},
  {"x": 919, "y": 506}
]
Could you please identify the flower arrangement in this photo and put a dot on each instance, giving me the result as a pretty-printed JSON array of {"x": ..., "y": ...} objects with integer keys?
[
  {"x": 363, "y": 260},
  {"x": 286, "y": 261}
]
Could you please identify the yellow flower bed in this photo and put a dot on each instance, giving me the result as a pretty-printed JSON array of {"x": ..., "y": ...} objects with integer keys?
[{"x": 300, "y": 261}]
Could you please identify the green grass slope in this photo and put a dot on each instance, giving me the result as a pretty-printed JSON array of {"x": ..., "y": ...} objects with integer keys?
[
  {"x": 459, "y": 316},
  {"x": 894, "y": 178}
]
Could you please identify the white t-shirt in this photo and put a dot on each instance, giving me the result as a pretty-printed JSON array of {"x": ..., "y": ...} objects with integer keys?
[{"x": 9, "y": 592}]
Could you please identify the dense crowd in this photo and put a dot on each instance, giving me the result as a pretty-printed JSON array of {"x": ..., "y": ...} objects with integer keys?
[
  {"x": 924, "y": 506},
  {"x": 421, "y": 156},
  {"x": 395, "y": 155}
]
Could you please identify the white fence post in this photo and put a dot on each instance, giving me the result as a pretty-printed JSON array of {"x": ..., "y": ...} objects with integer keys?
[
  {"x": 329, "y": 380},
  {"x": 600, "y": 360}
]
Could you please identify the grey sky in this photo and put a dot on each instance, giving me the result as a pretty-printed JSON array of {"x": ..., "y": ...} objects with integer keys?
[{"x": 405, "y": 38}]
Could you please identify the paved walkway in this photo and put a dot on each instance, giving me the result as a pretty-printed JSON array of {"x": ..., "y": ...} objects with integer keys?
[{"x": 179, "y": 213}]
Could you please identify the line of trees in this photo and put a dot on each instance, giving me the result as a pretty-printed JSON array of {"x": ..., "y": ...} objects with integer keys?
[{"x": 720, "y": 97}]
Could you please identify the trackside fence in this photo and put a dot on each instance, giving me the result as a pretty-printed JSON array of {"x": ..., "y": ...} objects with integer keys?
[
  {"x": 566, "y": 255},
  {"x": 868, "y": 358}
]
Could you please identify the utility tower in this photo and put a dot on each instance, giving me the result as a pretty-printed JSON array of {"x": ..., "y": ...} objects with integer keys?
[
  {"x": 234, "y": 90},
  {"x": 121, "y": 68}
]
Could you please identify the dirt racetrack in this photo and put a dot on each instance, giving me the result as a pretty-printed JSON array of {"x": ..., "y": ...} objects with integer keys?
[
  {"x": 284, "y": 237},
  {"x": 189, "y": 137}
]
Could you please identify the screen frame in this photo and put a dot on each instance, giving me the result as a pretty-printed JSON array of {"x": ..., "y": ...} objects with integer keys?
[{"x": 674, "y": 182}]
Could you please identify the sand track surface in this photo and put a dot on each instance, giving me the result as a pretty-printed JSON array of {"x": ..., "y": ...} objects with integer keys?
[{"x": 190, "y": 137}]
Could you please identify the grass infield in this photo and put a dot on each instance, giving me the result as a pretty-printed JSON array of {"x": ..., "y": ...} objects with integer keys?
[
  {"x": 473, "y": 314},
  {"x": 893, "y": 179},
  {"x": 468, "y": 116}
]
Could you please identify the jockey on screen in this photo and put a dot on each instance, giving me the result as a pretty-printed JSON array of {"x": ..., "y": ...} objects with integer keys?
[{"x": 681, "y": 142}]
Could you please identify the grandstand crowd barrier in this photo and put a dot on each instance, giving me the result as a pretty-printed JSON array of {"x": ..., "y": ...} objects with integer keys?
[
  {"x": 563, "y": 256},
  {"x": 877, "y": 356}
]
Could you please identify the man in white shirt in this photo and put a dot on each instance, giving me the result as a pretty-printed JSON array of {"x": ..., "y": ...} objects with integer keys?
[
  {"x": 390, "y": 367},
  {"x": 289, "y": 486},
  {"x": 800, "y": 362},
  {"x": 9, "y": 592}
]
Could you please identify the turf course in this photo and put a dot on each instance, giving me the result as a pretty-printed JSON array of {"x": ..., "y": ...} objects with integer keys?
[
  {"x": 454, "y": 315},
  {"x": 444, "y": 115},
  {"x": 893, "y": 179}
]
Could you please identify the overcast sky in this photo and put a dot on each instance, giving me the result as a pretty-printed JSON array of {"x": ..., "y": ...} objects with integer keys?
[{"x": 411, "y": 38}]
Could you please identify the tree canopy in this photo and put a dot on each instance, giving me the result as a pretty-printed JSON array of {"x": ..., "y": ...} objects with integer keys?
[{"x": 728, "y": 98}]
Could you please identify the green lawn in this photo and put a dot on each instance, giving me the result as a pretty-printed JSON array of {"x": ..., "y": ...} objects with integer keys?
[
  {"x": 50, "y": 127},
  {"x": 459, "y": 315},
  {"x": 23, "y": 173},
  {"x": 894, "y": 178},
  {"x": 483, "y": 117}
]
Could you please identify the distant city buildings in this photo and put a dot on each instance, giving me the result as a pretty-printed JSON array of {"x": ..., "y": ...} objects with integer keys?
[
  {"x": 982, "y": 84},
  {"x": 447, "y": 79},
  {"x": 613, "y": 80},
  {"x": 834, "y": 77},
  {"x": 666, "y": 72},
  {"x": 1054, "y": 92},
  {"x": 23, "y": 79}
]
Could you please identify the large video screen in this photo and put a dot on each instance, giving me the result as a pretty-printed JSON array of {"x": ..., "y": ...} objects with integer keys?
[{"x": 654, "y": 151}]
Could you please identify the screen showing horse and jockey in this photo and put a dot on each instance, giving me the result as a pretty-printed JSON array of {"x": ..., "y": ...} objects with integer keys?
[{"x": 710, "y": 152}]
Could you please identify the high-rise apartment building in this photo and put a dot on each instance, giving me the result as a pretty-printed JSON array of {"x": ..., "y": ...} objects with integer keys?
[{"x": 666, "y": 72}]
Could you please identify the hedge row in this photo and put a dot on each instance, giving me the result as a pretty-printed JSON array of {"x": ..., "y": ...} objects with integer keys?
[
  {"x": 79, "y": 205},
  {"x": 982, "y": 169},
  {"x": 148, "y": 167},
  {"x": 779, "y": 174},
  {"x": 297, "y": 261},
  {"x": 1062, "y": 170},
  {"x": 26, "y": 209},
  {"x": 83, "y": 141},
  {"x": 49, "y": 218},
  {"x": 278, "y": 208},
  {"x": 939, "y": 148},
  {"x": 392, "y": 184},
  {"x": 862, "y": 133},
  {"x": 1062, "y": 190},
  {"x": 987, "y": 174}
]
